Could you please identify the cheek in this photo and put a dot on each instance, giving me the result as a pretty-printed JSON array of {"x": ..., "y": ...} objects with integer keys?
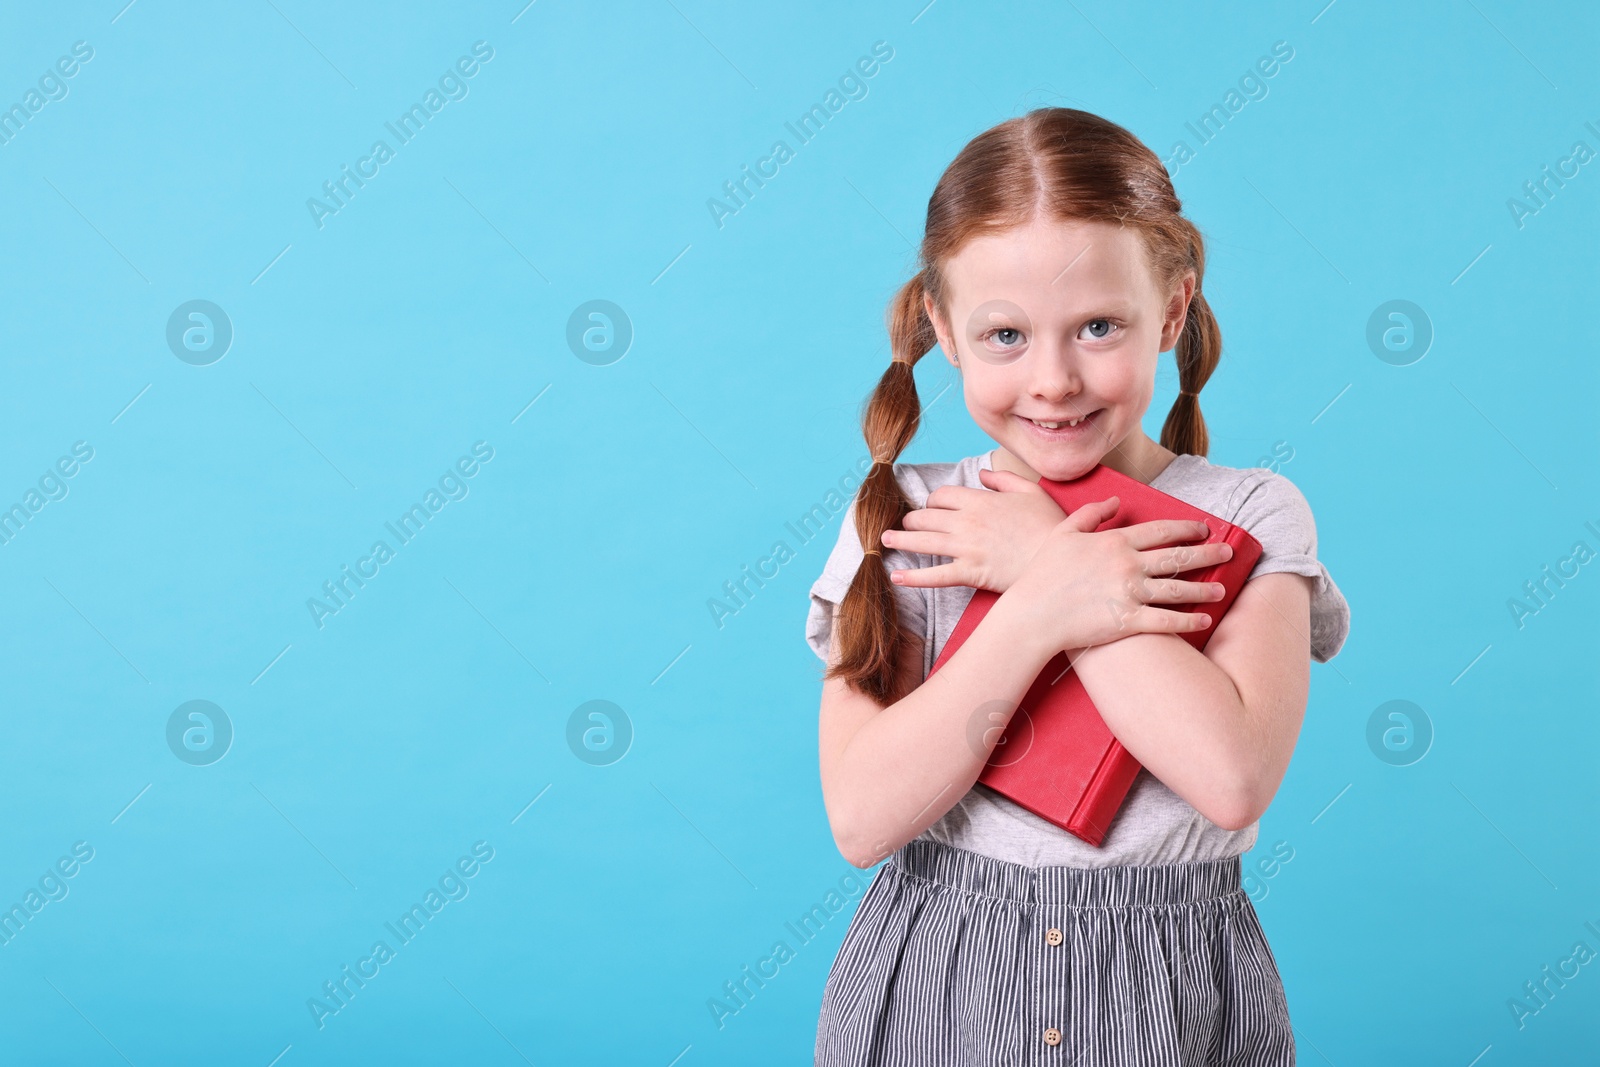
[
  {"x": 987, "y": 400},
  {"x": 976, "y": 386},
  {"x": 1127, "y": 384},
  {"x": 990, "y": 392}
]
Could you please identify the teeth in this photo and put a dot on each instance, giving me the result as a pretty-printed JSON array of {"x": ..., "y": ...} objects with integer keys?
[{"x": 1057, "y": 425}]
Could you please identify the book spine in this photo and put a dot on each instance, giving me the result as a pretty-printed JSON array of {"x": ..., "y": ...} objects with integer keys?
[{"x": 1101, "y": 801}]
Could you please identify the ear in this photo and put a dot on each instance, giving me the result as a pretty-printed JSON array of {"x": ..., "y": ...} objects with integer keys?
[
  {"x": 941, "y": 328},
  {"x": 1176, "y": 312}
]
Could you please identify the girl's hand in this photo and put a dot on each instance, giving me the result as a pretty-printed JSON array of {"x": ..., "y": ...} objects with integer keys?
[
  {"x": 989, "y": 536},
  {"x": 1084, "y": 588}
]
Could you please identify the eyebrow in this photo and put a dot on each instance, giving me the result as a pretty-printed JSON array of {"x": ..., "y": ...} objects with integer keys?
[{"x": 1121, "y": 310}]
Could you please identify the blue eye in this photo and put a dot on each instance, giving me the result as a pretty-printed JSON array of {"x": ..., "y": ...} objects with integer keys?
[
  {"x": 1004, "y": 343},
  {"x": 1107, "y": 323}
]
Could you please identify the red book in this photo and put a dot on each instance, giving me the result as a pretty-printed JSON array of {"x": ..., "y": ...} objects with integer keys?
[{"x": 1057, "y": 758}]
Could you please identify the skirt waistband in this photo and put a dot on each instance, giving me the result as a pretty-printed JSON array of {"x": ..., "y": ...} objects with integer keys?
[{"x": 1089, "y": 887}]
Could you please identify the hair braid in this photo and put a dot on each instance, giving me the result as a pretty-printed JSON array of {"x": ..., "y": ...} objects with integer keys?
[
  {"x": 1198, "y": 350},
  {"x": 867, "y": 636}
]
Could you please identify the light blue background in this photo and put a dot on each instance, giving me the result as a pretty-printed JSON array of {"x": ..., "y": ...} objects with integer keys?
[{"x": 427, "y": 315}]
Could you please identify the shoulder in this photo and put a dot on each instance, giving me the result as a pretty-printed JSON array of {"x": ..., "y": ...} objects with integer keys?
[
  {"x": 1261, "y": 501},
  {"x": 1273, "y": 510},
  {"x": 917, "y": 481}
]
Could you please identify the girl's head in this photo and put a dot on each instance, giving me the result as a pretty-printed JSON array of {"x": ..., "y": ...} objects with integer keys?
[{"x": 1056, "y": 266}]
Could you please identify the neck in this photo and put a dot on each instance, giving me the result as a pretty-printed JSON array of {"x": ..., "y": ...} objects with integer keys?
[{"x": 1136, "y": 456}]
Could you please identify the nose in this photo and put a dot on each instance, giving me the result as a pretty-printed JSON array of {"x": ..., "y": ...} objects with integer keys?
[{"x": 1054, "y": 373}]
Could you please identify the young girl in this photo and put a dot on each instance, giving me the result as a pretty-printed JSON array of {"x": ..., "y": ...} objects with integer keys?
[{"x": 1056, "y": 266}]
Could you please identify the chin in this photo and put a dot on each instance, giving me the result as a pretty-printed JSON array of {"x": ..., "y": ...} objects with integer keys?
[
  {"x": 1056, "y": 469},
  {"x": 1067, "y": 474}
]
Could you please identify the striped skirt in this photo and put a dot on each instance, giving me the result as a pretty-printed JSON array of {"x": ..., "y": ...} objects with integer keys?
[{"x": 954, "y": 958}]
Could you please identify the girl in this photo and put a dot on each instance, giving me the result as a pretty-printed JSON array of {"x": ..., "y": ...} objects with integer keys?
[{"x": 1056, "y": 266}]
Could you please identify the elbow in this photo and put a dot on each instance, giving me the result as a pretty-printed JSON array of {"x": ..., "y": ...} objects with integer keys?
[
  {"x": 860, "y": 849},
  {"x": 847, "y": 834},
  {"x": 859, "y": 854},
  {"x": 861, "y": 842},
  {"x": 1234, "y": 819},
  {"x": 846, "y": 845},
  {"x": 859, "y": 860},
  {"x": 1242, "y": 794},
  {"x": 1239, "y": 808}
]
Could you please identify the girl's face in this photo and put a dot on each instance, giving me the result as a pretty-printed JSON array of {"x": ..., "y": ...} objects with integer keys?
[{"x": 1056, "y": 321}]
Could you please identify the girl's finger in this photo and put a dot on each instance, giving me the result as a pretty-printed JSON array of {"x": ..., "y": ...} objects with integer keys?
[
  {"x": 941, "y": 519},
  {"x": 1008, "y": 482},
  {"x": 1156, "y": 532},
  {"x": 956, "y": 497},
  {"x": 1088, "y": 516},
  {"x": 1175, "y": 591},
  {"x": 929, "y": 577},
  {"x": 928, "y": 542},
  {"x": 1147, "y": 619},
  {"x": 1185, "y": 558}
]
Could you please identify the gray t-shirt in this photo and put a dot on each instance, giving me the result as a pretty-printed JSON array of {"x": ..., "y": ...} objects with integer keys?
[{"x": 1154, "y": 825}]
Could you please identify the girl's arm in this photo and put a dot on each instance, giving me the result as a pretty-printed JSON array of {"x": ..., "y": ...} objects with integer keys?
[
  {"x": 890, "y": 773},
  {"x": 1217, "y": 727}
]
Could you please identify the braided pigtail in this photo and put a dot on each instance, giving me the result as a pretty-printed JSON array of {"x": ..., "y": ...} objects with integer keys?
[
  {"x": 868, "y": 636},
  {"x": 1198, "y": 350}
]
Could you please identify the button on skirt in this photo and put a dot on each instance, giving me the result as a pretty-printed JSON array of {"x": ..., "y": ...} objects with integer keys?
[{"x": 954, "y": 959}]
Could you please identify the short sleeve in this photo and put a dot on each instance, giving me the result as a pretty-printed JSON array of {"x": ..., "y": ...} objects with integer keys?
[
  {"x": 840, "y": 571},
  {"x": 1276, "y": 514}
]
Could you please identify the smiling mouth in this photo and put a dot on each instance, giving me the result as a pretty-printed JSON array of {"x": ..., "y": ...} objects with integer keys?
[{"x": 1063, "y": 427}]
